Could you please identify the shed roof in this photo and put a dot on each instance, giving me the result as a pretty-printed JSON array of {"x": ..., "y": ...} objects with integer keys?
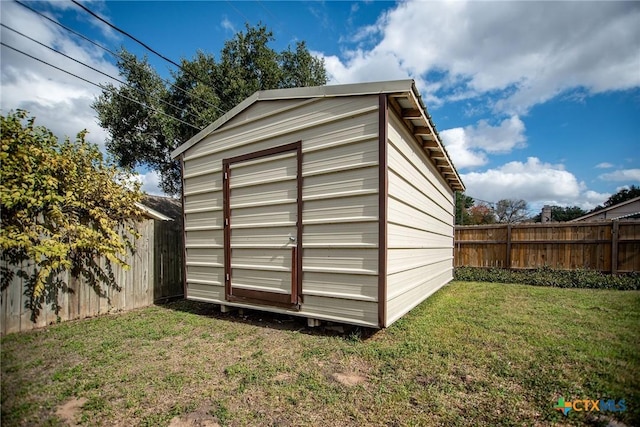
[{"x": 404, "y": 98}]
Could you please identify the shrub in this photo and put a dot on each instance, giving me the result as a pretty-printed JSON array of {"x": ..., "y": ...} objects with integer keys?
[
  {"x": 64, "y": 206},
  {"x": 546, "y": 276}
]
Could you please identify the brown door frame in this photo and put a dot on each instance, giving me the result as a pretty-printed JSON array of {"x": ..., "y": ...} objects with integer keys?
[{"x": 294, "y": 299}]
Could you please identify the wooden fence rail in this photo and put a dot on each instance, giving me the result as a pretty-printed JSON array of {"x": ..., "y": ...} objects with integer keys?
[
  {"x": 155, "y": 275},
  {"x": 604, "y": 246}
]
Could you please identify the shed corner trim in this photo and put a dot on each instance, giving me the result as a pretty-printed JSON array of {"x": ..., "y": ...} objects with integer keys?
[{"x": 383, "y": 191}]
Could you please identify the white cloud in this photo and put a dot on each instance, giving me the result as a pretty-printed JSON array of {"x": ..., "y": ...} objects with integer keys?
[
  {"x": 460, "y": 149},
  {"x": 604, "y": 165},
  {"x": 632, "y": 175},
  {"x": 59, "y": 101},
  {"x": 363, "y": 66},
  {"x": 520, "y": 53},
  {"x": 536, "y": 182},
  {"x": 150, "y": 181},
  {"x": 228, "y": 25},
  {"x": 468, "y": 146}
]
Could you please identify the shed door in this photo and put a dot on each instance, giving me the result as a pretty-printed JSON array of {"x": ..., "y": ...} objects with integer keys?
[{"x": 263, "y": 210}]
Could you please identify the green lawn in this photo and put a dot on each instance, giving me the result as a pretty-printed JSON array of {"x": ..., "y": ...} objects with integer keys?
[{"x": 472, "y": 354}]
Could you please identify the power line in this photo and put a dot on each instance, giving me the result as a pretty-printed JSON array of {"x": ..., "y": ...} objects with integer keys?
[
  {"x": 99, "y": 85},
  {"x": 72, "y": 31},
  {"x": 239, "y": 13},
  {"x": 121, "y": 31},
  {"x": 96, "y": 70},
  {"x": 483, "y": 201},
  {"x": 146, "y": 46}
]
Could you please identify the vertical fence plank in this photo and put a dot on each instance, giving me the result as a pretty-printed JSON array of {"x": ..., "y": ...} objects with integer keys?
[
  {"x": 14, "y": 308},
  {"x": 614, "y": 246},
  {"x": 150, "y": 283},
  {"x": 507, "y": 262},
  {"x": 25, "y": 315},
  {"x": 3, "y": 307}
]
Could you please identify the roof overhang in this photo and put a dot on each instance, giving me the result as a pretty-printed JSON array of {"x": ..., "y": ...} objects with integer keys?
[
  {"x": 410, "y": 108},
  {"x": 150, "y": 213},
  {"x": 404, "y": 99}
]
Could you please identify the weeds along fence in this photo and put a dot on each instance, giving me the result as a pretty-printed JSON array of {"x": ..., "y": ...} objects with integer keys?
[
  {"x": 155, "y": 275},
  {"x": 612, "y": 246}
]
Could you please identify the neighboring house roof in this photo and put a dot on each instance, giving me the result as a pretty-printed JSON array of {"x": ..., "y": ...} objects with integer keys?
[
  {"x": 161, "y": 208},
  {"x": 153, "y": 214},
  {"x": 404, "y": 98},
  {"x": 621, "y": 210},
  {"x": 167, "y": 206}
]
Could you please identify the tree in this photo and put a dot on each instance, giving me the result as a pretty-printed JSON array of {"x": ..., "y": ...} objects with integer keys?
[
  {"x": 562, "y": 214},
  {"x": 463, "y": 203},
  {"x": 63, "y": 207},
  {"x": 511, "y": 211},
  {"x": 201, "y": 91},
  {"x": 481, "y": 214},
  {"x": 621, "y": 196}
]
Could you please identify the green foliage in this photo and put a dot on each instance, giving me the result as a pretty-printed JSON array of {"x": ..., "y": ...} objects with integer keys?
[
  {"x": 546, "y": 276},
  {"x": 202, "y": 91},
  {"x": 463, "y": 203},
  {"x": 621, "y": 196},
  {"x": 63, "y": 207},
  {"x": 566, "y": 213},
  {"x": 562, "y": 213}
]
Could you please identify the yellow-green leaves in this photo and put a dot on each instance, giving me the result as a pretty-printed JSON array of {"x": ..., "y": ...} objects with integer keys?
[{"x": 63, "y": 205}]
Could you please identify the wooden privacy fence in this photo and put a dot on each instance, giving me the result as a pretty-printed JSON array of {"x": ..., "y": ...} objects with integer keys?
[
  {"x": 155, "y": 275},
  {"x": 612, "y": 246}
]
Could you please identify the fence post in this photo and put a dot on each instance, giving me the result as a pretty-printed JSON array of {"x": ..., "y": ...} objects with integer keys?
[
  {"x": 614, "y": 246},
  {"x": 508, "y": 260}
]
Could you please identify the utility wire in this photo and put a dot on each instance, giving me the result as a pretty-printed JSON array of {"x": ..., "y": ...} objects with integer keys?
[
  {"x": 237, "y": 11},
  {"x": 484, "y": 201},
  {"x": 121, "y": 31},
  {"x": 96, "y": 70},
  {"x": 117, "y": 55},
  {"x": 146, "y": 46},
  {"x": 99, "y": 85}
]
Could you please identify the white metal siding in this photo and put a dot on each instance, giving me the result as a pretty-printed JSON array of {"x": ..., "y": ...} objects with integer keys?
[
  {"x": 340, "y": 201},
  {"x": 420, "y": 224}
]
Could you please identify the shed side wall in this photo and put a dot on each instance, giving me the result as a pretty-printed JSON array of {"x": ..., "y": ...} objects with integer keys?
[
  {"x": 340, "y": 193},
  {"x": 420, "y": 224}
]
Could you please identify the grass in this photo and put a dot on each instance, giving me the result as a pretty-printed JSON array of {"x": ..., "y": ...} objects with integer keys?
[{"x": 472, "y": 354}]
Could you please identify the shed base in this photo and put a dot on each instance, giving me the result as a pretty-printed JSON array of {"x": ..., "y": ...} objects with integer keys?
[
  {"x": 227, "y": 309},
  {"x": 312, "y": 323}
]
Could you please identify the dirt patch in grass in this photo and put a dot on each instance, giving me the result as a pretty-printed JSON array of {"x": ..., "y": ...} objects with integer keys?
[
  {"x": 348, "y": 379},
  {"x": 69, "y": 411},
  {"x": 199, "y": 418}
]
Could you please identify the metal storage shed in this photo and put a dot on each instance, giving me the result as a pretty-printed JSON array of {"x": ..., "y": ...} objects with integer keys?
[{"x": 333, "y": 203}]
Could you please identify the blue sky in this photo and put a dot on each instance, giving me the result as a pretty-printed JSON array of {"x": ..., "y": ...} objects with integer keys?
[{"x": 533, "y": 100}]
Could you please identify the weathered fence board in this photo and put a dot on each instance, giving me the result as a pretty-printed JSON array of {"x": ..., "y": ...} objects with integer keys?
[
  {"x": 605, "y": 246},
  {"x": 155, "y": 275}
]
